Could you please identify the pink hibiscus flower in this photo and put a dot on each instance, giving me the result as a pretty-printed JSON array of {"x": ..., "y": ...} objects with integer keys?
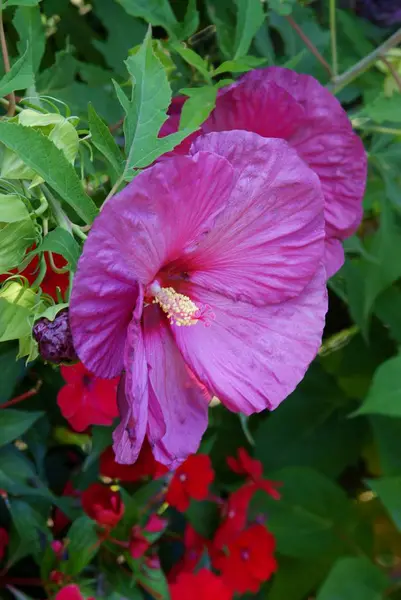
[
  {"x": 203, "y": 277},
  {"x": 279, "y": 103}
]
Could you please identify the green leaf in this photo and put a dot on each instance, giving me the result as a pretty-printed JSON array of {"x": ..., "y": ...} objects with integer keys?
[
  {"x": 196, "y": 110},
  {"x": 193, "y": 59},
  {"x": 384, "y": 397},
  {"x": 387, "y": 437},
  {"x": 17, "y": 306},
  {"x": 83, "y": 545},
  {"x": 223, "y": 15},
  {"x": 12, "y": 371},
  {"x": 20, "y": 3},
  {"x": 296, "y": 579},
  {"x": 104, "y": 141},
  {"x": 281, "y": 7},
  {"x": 313, "y": 423},
  {"x": 384, "y": 109},
  {"x": 191, "y": 22},
  {"x": 204, "y": 517},
  {"x": 246, "y": 63},
  {"x": 146, "y": 111},
  {"x": 353, "y": 579},
  {"x": 14, "y": 423},
  {"x": 154, "y": 581},
  {"x": 387, "y": 309},
  {"x": 249, "y": 19},
  {"x": 101, "y": 439},
  {"x": 15, "y": 238},
  {"x": 61, "y": 242},
  {"x": 389, "y": 491},
  {"x": 124, "y": 32},
  {"x": 19, "y": 77},
  {"x": 12, "y": 209},
  {"x": 313, "y": 518},
  {"x": 155, "y": 12},
  {"x": 30, "y": 526},
  {"x": 41, "y": 155},
  {"x": 28, "y": 23}
]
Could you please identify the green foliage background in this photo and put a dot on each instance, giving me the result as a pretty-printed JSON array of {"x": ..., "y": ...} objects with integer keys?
[{"x": 336, "y": 442}]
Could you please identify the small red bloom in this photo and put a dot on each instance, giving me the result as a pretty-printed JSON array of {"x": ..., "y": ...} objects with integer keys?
[
  {"x": 191, "y": 480},
  {"x": 142, "y": 538},
  {"x": 4, "y": 540},
  {"x": 235, "y": 516},
  {"x": 145, "y": 466},
  {"x": 86, "y": 399},
  {"x": 70, "y": 592},
  {"x": 103, "y": 505},
  {"x": 56, "y": 577},
  {"x": 203, "y": 585},
  {"x": 249, "y": 561},
  {"x": 245, "y": 465}
]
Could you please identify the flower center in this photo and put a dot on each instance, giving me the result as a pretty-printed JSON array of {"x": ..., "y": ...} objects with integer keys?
[{"x": 180, "y": 309}]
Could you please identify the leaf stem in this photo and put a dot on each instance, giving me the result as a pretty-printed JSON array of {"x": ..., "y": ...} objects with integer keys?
[
  {"x": 6, "y": 61},
  {"x": 310, "y": 45},
  {"x": 114, "y": 189},
  {"x": 364, "y": 64},
  {"x": 333, "y": 37}
]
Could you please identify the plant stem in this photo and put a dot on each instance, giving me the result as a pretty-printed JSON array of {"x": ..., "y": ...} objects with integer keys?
[
  {"x": 310, "y": 45},
  {"x": 32, "y": 392},
  {"x": 373, "y": 129},
  {"x": 393, "y": 71},
  {"x": 364, "y": 64},
  {"x": 113, "y": 189},
  {"x": 6, "y": 61},
  {"x": 333, "y": 37}
]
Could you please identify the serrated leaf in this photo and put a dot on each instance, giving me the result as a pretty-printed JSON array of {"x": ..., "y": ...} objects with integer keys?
[
  {"x": 14, "y": 423},
  {"x": 384, "y": 397},
  {"x": 41, "y": 155},
  {"x": 193, "y": 59},
  {"x": 28, "y": 23},
  {"x": 19, "y": 77},
  {"x": 385, "y": 109},
  {"x": 198, "y": 107},
  {"x": 83, "y": 545},
  {"x": 146, "y": 111},
  {"x": 103, "y": 140},
  {"x": 250, "y": 17},
  {"x": 61, "y": 242},
  {"x": 353, "y": 579}
]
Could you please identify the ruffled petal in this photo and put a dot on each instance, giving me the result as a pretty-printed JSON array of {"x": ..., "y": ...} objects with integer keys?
[
  {"x": 322, "y": 134},
  {"x": 179, "y": 403},
  {"x": 133, "y": 397},
  {"x": 334, "y": 256},
  {"x": 266, "y": 246},
  {"x": 251, "y": 357}
]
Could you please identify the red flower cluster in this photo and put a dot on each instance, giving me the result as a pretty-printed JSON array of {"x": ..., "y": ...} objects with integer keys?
[
  {"x": 51, "y": 281},
  {"x": 203, "y": 585},
  {"x": 87, "y": 400},
  {"x": 145, "y": 466},
  {"x": 191, "y": 480},
  {"x": 103, "y": 505}
]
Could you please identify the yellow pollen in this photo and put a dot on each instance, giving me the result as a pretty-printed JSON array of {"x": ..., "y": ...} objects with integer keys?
[{"x": 179, "y": 308}]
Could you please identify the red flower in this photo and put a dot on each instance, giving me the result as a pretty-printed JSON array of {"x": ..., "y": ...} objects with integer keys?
[
  {"x": 86, "y": 399},
  {"x": 103, "y": 505},
  {"x": 4, "y": 539},
  {"x": 235, "y": 517},
  {"x": 191, "y": 480},
  {"x": 203, "y": 585},
  {"x": 70, "y": 592},
  {"x": 249, "y": 561},
  {"x": 51, "y": 280},
  {"x": 142, "y": 539},
  {"x": 145, "y": 466},
  {"x": 245, "y": 465},
  {"x": 194, "y": 545}
]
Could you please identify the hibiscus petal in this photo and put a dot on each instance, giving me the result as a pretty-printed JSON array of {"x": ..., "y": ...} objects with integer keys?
[
  {"x": 334, "y": 256},
  {"x": 251, "y": 357},
  {"x": 266, "y": 246},
  {"x": 181, "y": 401},
  {"x": 165, "y": 208},
  {"x": 132, "y": 399}
]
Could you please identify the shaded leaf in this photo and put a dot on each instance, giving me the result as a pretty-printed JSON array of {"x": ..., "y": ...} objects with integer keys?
[
  {"x": 28, "y": 23},
  {"x": 19, "y": 77},
  {"x": 353, "y": 579},
  {"x": 104, "y": 141},
  {"x": 14, "y": 423},
  {"x": 249, "y": 19},
  {"x": 60, "y": 241},
  {"x": 384, "y": 397}
]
